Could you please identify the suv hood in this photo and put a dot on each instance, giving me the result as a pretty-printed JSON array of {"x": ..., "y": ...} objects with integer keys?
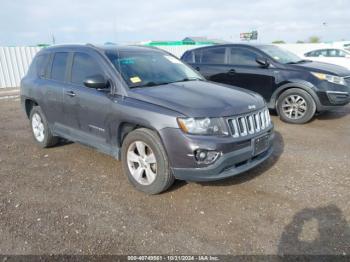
[
  {"x": 324, "y": 68},
  {"x": 200, "y": 98}
]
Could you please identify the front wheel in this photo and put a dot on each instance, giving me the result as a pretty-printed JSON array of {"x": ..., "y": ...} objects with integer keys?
[
  {"x": 296, "y": 106},
  {"x": 145, "y": 162}
]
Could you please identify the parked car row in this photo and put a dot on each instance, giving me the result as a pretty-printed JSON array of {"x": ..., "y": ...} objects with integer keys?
[
  {"x": 162, "y": 118},
  {"x": 295, "y": 87},
  {"x": 335, "y": 56}
]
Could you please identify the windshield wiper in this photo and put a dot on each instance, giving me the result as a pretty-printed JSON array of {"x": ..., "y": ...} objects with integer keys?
[
  {"x": 187, "y": 79},
  {"x": 149, "y": 84},
  {"x": 300, "y": 61}
]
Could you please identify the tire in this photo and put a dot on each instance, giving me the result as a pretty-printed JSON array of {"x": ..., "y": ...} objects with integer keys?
[
  {"x": 296, "y": 106},
  {"x": 155, "y": 177},
  {"x": 38, "y": 119}
]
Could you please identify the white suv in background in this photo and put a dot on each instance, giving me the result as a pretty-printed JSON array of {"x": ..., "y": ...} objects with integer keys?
[{"x": 335, "y": 56}]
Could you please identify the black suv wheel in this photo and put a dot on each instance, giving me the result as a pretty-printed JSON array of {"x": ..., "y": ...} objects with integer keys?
[
  {"x": 296, "y": 106},
  {"x": 145, "y": 162}
]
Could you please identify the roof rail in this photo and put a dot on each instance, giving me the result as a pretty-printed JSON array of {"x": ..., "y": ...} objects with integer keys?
[{"x": 91, "y": 45}]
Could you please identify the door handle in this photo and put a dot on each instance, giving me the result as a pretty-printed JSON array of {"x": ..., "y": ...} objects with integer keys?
[
  {"x": 70, "y": 93},
  {"x": 231, "y": 72}
]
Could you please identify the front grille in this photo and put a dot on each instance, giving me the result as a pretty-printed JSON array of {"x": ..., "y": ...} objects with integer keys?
[{"x": 250, "y": 124}]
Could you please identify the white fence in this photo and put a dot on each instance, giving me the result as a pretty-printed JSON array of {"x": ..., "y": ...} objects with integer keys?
[
  {"x": 178, "y": 51},
  {"x": 14, "y": 63}
]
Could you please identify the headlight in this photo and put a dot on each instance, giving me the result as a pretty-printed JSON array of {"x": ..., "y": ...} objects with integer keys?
[
  {"x": 203, "y": 126},
  {"x": 330, "y": 78}
]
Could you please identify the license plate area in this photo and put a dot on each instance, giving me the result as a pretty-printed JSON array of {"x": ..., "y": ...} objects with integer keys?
[{"x": 261, "y": 144}]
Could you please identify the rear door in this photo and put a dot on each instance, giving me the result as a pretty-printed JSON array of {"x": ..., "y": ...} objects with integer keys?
[
  {"x": 54, "y": 86},
  {"x": 210, "y": 62}
]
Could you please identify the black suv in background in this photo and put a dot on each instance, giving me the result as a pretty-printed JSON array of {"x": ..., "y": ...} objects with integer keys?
[
  {"x": 147, "y": 108},
  {"x": 296, "y": 88}
]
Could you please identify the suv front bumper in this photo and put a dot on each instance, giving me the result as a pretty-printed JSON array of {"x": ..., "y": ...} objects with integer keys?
[{"x": 236, "y": 156}]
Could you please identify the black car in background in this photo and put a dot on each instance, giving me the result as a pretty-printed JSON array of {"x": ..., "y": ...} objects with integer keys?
[{"x": 296, "y": 88}]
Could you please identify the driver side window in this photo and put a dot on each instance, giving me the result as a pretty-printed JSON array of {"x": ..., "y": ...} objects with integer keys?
[
  {"x": 244, "y": 57},
  {"x": 84, "y": 66}
]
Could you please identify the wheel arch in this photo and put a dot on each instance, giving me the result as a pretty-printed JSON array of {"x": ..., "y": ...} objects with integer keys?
[
  {"x": 306, "y": 86},
  {"x": 28, "y": 105},
  {"x": 126, "y": 127}
]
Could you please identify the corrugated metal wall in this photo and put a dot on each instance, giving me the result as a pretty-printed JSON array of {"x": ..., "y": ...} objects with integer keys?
[{"x": 14, "y": 63}]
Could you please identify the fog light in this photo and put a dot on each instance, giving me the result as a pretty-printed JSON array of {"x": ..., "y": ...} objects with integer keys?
[{"x": 206, "y": 157}]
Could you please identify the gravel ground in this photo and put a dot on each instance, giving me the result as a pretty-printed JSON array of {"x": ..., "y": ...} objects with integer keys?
[{"x": 73, "y": 200}]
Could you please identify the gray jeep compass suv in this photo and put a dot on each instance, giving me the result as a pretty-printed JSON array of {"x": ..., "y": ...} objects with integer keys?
[{"x": 147, "y": 108}]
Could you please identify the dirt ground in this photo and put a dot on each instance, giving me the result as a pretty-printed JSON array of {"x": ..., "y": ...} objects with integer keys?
[{"x": 73, "y": 200}]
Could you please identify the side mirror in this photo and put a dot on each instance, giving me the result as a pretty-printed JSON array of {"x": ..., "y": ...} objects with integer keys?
[
  {"x": 96, "y": 81},
  {"x": 262, "y": 61}
]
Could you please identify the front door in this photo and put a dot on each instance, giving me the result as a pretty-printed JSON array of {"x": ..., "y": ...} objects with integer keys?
[
  {"x": 86, "y": 110},
  {"x": 243, "y": 71}
]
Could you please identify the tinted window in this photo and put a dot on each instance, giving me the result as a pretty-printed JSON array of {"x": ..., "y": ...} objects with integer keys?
[
  {"x": 188, "y": 57},
  {"x": 242, "y": 57},
  {"x": 59, "y": 66},
  {"x": 39, "y": 66},
  {"x": 213, "y": 56},
  {"x": 84, "y": 66},
  {"x": 197, "y": 56}
]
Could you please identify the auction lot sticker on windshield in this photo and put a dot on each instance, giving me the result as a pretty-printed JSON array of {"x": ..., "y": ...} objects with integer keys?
[
  {"x": 135, "y": 79},
  {"x": 172, "y": 59}
]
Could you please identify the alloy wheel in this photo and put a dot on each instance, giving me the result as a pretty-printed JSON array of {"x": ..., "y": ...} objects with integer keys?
[
  {"x": 294, "y": 106},
  {"x": 142, "y": 163},
  {"x": 38, "y": 127}
]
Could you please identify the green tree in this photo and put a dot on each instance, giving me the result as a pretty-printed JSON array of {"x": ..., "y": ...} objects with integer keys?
[
  {"x": 314, "y": 39},
  {"x": 278, "y": 42}
]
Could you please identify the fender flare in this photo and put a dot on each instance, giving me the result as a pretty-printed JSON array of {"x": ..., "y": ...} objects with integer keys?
[{"x": 304, "y": 85}]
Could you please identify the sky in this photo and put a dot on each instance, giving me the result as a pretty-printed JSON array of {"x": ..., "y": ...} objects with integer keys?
[{"x": 31, "y": 22}]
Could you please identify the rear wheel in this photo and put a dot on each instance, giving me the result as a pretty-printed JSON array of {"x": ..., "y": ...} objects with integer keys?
[
  {"x": 296, "y": 106},
  {"x": 40, "y": 128},
  {"x": 145, "y": 162}
]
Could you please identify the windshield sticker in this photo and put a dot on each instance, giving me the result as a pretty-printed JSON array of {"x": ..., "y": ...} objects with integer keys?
[
  {"x": 135, "y": 79},
  {"x": 172, "y": 59}
]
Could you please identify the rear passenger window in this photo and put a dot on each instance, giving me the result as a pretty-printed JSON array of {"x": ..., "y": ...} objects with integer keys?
[
  {"x": 188, "y": 57},
  {"x": 84, "y": 66},
  {"x": 39, "y": 66},
  {"x": 240, "y": 56},
  {"x": 213, "y": 56},
  {"x": 59, "y": 64}
]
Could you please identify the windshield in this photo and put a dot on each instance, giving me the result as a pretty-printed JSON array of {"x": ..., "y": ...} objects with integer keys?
[
  {"x": 151, "y": 68},
  {"x": 280, "y": 55}
]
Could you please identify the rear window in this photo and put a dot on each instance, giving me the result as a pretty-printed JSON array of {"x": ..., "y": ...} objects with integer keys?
[
  {"x": 39, "y": 66},
  {"x": 188, "y": 57},
  {"x": 213, "y": 56},
  {"x": 59, "y": 64}
]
